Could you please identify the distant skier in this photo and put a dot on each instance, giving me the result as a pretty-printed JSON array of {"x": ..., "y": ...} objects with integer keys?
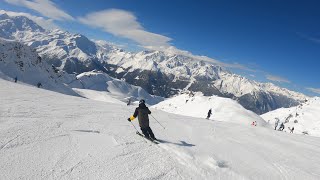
[
  {"x": 281, "y": 127},
  {"x": 291, "y": 130},
  {"x": 254, "y": 123},
  {"x": 276, "y": 123},
  {"x": 142, "y": 112},
  {"x": 129, "y": 102},
  {"x": 209, "y": 113},
  {"x": 39, "y": 85}
]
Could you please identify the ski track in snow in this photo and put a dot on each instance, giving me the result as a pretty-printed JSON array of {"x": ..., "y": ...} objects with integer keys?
[{"x": 46, "y": 135}]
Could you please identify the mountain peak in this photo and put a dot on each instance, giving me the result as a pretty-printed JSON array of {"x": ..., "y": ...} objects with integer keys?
[
  {"x": 12, "y": 24},
  {"x": 4, "y": 16}
]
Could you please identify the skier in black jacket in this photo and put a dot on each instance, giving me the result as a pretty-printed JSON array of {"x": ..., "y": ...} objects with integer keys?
[
  {"x": 209, "y": 113},
  {"x": 142, "y": 112}
]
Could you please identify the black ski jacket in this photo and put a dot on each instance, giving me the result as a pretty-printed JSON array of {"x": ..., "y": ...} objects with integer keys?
[{"x": 142, "y": 112}]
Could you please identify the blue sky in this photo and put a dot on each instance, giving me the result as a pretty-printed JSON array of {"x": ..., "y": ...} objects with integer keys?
[{"x": 269, "y": 41}]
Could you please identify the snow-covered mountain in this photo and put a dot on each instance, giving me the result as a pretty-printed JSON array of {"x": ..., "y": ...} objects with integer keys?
[
  {"x": 166, "y": 75},
  {"x": 48, "y": 135},
  {"x": 159, "y": 73},
  {"x": 305, "y": 118},
  {"x": 11, "y": 25},
  {"x": 197, "y": 105},
  {"x": 22, "y": 62}
]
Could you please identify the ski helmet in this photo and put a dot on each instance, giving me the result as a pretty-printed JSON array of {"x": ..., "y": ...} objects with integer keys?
[{"x": 142, "y": 101}]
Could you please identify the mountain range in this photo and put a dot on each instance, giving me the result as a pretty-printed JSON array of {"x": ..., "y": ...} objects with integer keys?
[{"x": 158, "y": 73}]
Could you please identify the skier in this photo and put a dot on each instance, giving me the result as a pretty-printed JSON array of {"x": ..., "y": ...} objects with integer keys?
[
  {"x": 39, "y": 85},
  {"x": 142, "y": 112},
  {"x": 281, "y": 127},
  {"x": 276, "y": 124},
  {"x": 129, "y": 102},
  {"x": 16, "y": 79},
  {"x": 291, "y": 130},
  {"x": 209, "y": 113}
]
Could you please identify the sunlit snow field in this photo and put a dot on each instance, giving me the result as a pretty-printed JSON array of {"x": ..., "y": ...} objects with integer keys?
[{"x": 46, "y": 135}]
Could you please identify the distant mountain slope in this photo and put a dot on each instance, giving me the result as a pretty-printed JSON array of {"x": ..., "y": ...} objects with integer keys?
[
  {"x": 11, "y": 25},
  {"x": 22, "y": 62},
  {"x": 159, "y": 73},
  {"x": 305, "y": 118}
]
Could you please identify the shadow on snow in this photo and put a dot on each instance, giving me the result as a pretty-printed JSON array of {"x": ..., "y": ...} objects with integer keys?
[{"x": 182, "y": 143}]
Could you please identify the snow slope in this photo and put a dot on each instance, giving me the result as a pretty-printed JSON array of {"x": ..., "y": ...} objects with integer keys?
[
  {"x": 197, "y": 105},
  {"x": 305, "y": 118},
  {"x": 47, "y": 135}
]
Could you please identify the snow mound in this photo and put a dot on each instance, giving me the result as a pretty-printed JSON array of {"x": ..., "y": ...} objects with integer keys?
[
  {"x": 197, "y": 105},
  {"x": 109, "y": 86},
  {"x": 304, "y": 118}
]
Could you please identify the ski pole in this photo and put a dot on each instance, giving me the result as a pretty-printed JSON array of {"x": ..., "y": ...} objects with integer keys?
[
  {"x": 137, "y": 131},
  {"x": 157, "y": 121},
  {"x": 134, "y": 126}
]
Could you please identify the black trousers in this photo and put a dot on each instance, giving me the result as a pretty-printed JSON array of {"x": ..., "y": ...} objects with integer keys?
[{"x": 147, "y": 132}]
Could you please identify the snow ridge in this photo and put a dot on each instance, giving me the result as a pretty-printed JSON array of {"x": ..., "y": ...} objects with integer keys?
[{"x": 304, "y": 117}]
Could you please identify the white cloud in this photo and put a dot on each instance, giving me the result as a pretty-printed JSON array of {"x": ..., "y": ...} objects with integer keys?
[
  {"x": 44, "y": 7},
  {"x": 315, "y": 90},
  {"x": 277, "y": 79},
  {"x": 45, "y": 23},
  {"x": 124, "y": 24}
]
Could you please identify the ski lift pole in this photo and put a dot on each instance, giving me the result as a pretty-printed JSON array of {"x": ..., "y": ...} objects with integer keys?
[{"x": 157, "y": 121}]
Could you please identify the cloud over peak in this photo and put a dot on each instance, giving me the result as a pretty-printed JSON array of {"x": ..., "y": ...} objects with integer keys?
[
  {"x": 315, "y": 90},
  {"x": 277, "y": 79},
  {"x": 124, "y": 24},
  {"x": 44, "y": 7},
  {"x": 44, "y": 23}
]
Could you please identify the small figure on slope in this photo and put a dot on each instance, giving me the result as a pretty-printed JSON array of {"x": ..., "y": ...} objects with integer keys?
[
  {"x": 209, "y": 113},
  {"x": 281, "y": 127},
  {"x": 254, "y": 123},
  {"x": 129, "y": 102},
  {"x": 142, "y": 112},
  {"x": 276, "y": 123},
  {"x": 15, "y": 79},
  {"x": 291, "y": 130},
  {"x": 39, "y": 85}
]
